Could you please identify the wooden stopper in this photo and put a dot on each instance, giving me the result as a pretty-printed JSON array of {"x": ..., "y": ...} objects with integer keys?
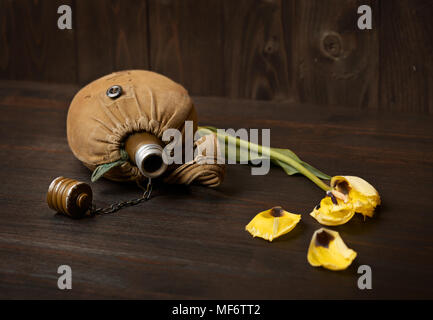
[{"x": 69, "y": 196}]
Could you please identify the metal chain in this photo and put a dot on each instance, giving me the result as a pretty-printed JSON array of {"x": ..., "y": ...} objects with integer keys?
[{"x": 123, "y": 204}]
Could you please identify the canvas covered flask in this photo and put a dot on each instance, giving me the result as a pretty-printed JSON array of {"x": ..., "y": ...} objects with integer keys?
[{"x": 110, "y": 118}]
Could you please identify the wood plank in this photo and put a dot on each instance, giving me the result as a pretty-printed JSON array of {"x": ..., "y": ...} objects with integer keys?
[
  {"x": 111, "y": 36},
  {"x": 335, "y": 63},
  {"x": 186, "y": 42},
  {"x": 406, "y": 67},
  {"x": 33, "y": 48},
  {"x": 5, "y": 39},
  {"x": 256, "y": 55},
  {"x": 221, "y": 48},
  {"x": 190, "y": 242}
]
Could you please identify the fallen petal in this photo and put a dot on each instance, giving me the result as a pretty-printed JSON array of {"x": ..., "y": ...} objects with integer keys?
[
  {"x": 328, "y": 250},
  {"x": 329, "y": 214},
  {"x": 272, "y": 223}
]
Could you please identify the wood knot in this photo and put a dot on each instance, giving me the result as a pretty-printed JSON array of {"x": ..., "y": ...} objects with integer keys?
[
  {"x": 271, "y": 46},
  {"x": 332, "y": 45}
]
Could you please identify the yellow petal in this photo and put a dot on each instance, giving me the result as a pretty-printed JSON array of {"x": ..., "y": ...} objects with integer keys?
[
  {"x": 363, "y": 196},
  {"x": 329, "y": 214},
  {"x": 353, "y": 194},
  {"x": 272, "y": 223},
  {"x": 328, "y": 250}
]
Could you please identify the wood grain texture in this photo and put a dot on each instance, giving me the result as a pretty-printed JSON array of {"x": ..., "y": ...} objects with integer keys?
[
  {"x": 33, "y": 48},
  {"x": 190, "y": 242},
  {"x": 284, "y": 50},
  {"x": 111, "y": 36},
  {"x": 221, "y": 48},
  {"x": 187, "y": 43},
  {"x": 406, "y": 67},
  {"x": 335, "y": 63},
  {"x": 256, "y": 56}
]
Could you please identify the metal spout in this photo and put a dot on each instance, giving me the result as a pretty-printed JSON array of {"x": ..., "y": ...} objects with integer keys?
[{"x": 146, "y": 151}]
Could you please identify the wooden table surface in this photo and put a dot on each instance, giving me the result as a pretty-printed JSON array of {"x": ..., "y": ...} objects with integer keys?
[{"x": 190, "y": 242}]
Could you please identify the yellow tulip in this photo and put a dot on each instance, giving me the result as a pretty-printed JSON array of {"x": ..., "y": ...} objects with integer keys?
[
  {"x": 328, "y": 250},
  {"x": 348, "y": 195},
  {"x": 272, "y": 223}
]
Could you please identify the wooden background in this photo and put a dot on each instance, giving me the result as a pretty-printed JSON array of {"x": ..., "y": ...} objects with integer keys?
[
  {"x": 333, "y": 95},
  {"x": 305, "y": 51},
  {"x": 190, "y": 242}
]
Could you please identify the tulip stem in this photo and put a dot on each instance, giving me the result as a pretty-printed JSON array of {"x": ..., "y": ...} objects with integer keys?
[{"x": 273, "y": 155}]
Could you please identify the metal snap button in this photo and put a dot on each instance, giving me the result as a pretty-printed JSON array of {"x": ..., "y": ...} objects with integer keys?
[{"x": 114, "y": 92}]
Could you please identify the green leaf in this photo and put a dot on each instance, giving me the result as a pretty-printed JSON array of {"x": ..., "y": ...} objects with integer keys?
[
  {"x": 315, "y": 171},
  {"x": 241, "y": 153},
  {"x": 104, "y": 168},
  {"x": 287, "y": 153},
  {"x": 288, "y": 169},
  {"x": 245, "y": 154}
]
